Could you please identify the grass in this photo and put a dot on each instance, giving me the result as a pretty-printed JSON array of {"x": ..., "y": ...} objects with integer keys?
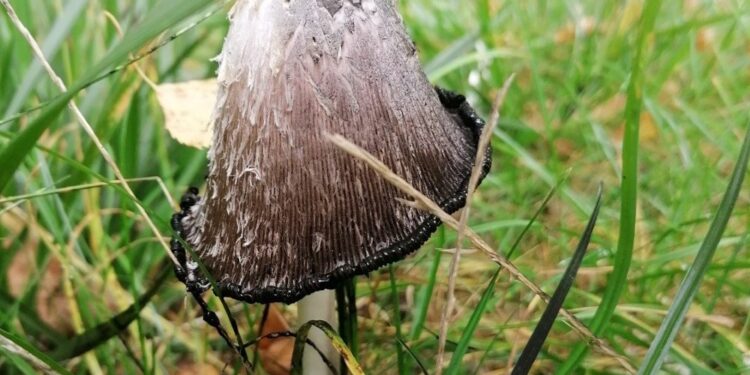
[{"x": 592, "y": 77}]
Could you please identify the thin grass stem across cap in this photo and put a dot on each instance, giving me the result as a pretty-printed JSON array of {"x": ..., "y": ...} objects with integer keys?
[{"x": 285, "y": 212}]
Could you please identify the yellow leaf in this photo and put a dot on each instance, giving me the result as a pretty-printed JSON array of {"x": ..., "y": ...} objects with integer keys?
[{"x": 187, "y": 110}]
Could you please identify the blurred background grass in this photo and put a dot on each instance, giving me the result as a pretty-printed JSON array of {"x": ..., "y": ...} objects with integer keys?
[{"x": 74, "y": 259}]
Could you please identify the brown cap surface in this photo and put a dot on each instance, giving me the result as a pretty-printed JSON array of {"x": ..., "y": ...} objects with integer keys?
[{"x": 286, "y": 213}]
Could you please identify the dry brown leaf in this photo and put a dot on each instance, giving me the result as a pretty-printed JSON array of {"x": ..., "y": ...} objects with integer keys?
[
  {"x": 50, "y": 302},
  {"x": 187, "y": 110},
  {"x": 190, "y": 368},
  {"x": 610, "y": 109},
  {"x": 705, "y": 39},
  {"x": 565, "y": 148},
  {"x": 649, "y": 133},
  {"x": 567, "y": 34},
  {"x": 276, "y": 354},
  {"x": 669, "y": 91}
]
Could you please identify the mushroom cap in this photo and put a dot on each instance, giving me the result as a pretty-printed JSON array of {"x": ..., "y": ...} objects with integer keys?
[{"x": 286, "y": 213}]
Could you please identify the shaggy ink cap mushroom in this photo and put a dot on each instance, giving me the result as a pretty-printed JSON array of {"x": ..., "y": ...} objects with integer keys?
[{"x": 285, "y": 212}]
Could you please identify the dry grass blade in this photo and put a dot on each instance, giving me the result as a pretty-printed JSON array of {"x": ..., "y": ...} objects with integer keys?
[
  {"x": 484, "y": 141},
  {"x": 159, "y": 181},
  {"x": 426, "y": 203},
  {"x": 38, "y": 360},
  {"x": 15, "y": 349},
  {"x": 85, "y": 124}
]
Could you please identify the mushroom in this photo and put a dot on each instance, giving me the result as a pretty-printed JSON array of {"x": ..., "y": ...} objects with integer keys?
[{"x": 286, "y": 213}]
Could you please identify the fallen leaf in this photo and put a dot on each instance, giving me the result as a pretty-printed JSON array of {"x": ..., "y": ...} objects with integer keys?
[
  {"x": 609, "y": 109},
  {"x": 276, "y": 354},
  {"x": 649, "y": 132},
  {"x": 705, "y": 39},
  {"x": 50, "y": 302},
  {"x": 189, "y": 368},
  {"x": 187, "y": 108},
  {"x": 583, "y": 27},
  {"x": 565, "y": 148}
]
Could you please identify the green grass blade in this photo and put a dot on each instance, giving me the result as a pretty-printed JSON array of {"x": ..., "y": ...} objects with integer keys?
[
  {"x": 29, "y": 320},
  {"x": 29, "y": 353},
  {"x": 346, "y": 306},
  {"x": 617, "y": 280},
  {"x": 164, "y": 15},
  {"x": 413, "y": 356},
  {"x": 169, "y": 72},
  {"x": 539, "y": 336},
  {"x": 100, "y": 333},
  {"x": 425, "y": 293},
  {"x": 13, "y": 154},
  {"x": 351, "y": 296},
  {"x": 513, "y": 249},
  {"x": 56, "y": 37},
  {"x": 669, "y": 328},
  {"x": 338, "y": 344},
  {"x": 396, "y": 321},
  {"x": 455, "y": 366},
  {"x": 471, "y": 327}
]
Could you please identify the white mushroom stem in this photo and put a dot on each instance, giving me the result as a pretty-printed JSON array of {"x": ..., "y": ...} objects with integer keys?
[{"x": 318, "y": 306}]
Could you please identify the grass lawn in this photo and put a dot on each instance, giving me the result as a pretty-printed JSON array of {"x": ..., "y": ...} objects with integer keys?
[{"x": 655, "y": 91}]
